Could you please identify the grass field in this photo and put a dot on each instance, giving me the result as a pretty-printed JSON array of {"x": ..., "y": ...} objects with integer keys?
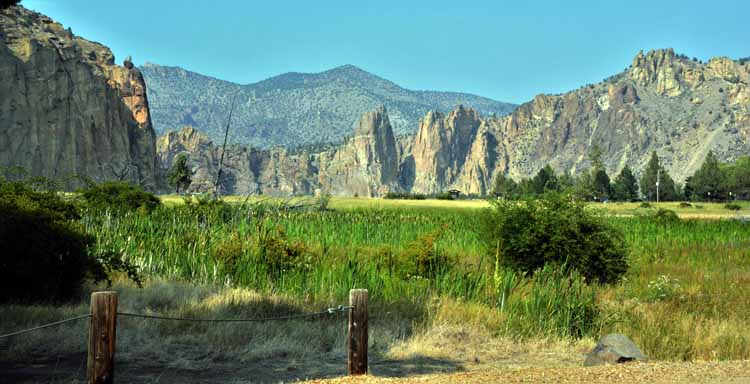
[
  {"x": 684, "y": 297},
  {"x": 698, "y": 210}
]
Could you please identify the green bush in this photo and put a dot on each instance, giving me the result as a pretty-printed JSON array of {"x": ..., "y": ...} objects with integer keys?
[
  {"x": 645, "y": 204},
  {"x": 732, "y": 207},
  {"x": 444, "y": 196},
  {"x": 44, "y": 258},
  {"x": 662, "y": 216},
  {"x": 685, "y": 204},
  {"x": 404, "y": 196},
  {"x": 119, "y": 196},
  {"x": 46, "y": 254},
  {"x": 532, "y": 233},
  {"x": 421, "y": 257}
]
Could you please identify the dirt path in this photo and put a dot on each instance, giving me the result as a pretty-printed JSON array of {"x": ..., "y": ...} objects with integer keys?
[{"x": 733, "y": 372}]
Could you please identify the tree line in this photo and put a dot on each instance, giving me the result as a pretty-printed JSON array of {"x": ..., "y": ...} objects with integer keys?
[{"x": 714, "y": 181}]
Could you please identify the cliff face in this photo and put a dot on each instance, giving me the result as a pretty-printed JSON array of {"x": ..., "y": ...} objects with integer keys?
[
  {"x": 66, "y": 109},
  {"x": 441, "y": 148},
  {"x": 664, "y": 102},
  {"x": 366, "y": 164}
]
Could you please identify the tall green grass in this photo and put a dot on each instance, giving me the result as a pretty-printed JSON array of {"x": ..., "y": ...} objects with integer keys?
[{"x": 335, "y": 251}]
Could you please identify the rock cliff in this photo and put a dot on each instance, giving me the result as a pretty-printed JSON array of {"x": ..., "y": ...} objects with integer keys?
[
  {"x": 366, "y": 164},
  {"x": 65, "y": 107},
  {"x": 663, "y": 102}
]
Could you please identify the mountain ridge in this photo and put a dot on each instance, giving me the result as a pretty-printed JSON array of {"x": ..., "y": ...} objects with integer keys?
[
  {"x": 663, "y": 102},
  {"x": 293, "y": 108}
]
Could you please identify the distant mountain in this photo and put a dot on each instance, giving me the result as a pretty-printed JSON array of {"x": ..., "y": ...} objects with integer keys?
[
  {"x": 663, "y": 102},
  {"x": 293, "y": 109}
]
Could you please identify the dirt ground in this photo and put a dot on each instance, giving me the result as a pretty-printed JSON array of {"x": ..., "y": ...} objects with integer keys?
[
  {"x": 733, "y": 372},
  {"x": 72, "y": 368}
]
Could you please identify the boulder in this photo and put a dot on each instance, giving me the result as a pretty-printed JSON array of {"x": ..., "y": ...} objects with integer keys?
[{"x": 614, "y": 348}]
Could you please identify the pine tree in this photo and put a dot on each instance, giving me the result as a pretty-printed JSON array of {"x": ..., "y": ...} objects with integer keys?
[
  {"x": 545, "y": 180},
  {"x": 710, "y": 181},
  {"x": 654, "y": 171},
  {"x": 505, "y": 187},
  {"x": 600, "y": 183},
  {"x": 180, "y": 176},
  {"x": 625, "y": 187}
]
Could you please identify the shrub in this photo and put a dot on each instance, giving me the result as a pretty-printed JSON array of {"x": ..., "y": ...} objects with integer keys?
[
  {"x": 732, "y": 207},
  {"x": 685, "y": 204},
  {"x": 44, "y": 258},
  {"x": 46, "y": 254},
  {"x": 530, "y": 234},
  {"x": 119, "y": 196},
  {"x": 404, "y": 196},
  {"x": 645, "y": 204},
  {"x": 278, "y": 254},
  {"x": 662, "y": 216},
  {"x": 421, "y": 258},
  {"x": 444, "y": 196}
]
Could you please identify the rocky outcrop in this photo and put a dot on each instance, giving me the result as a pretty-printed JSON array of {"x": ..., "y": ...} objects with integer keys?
[
  {"x": 664, "y": 102},
  {"x": 441, "y": 148},
  {"x": 367, "y": 164},
  {"x": 66, "y": 109}
]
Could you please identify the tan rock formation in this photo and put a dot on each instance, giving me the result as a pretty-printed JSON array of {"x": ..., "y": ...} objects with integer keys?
[
  {"x": 666, "y": 103},
  {"x": 441, "y": 148},
  {"x": 66, "y": 109}
]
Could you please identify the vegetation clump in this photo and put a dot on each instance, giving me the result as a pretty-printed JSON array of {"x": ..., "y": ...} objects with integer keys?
[
  {"x": 119, "y": 196},
  {"x": 530, "y": 234},
  {"x": 179, "y": 175},
  {"x": 46, "y": 253},
  {"x": 405, "y": 196},
  {"x": 662, "y": 216},
  {"x": 732, "y": 206}
]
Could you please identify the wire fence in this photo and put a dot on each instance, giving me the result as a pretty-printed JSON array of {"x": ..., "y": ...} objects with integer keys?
[
  {"x": 329, "y": 311},
  {"x": 44, "y": 326}
]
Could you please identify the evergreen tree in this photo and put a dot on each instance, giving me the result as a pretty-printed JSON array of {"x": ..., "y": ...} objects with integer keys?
[
  {"x": 625, "y": 187},
  {"x": 505, "y": 187},
  {"x": 545, "y": 180},
  {"x": 710, "y": 181},
  {"x": 654, "y": 171},
  {"x": 738, "y": 178},
  {"x": 601, "y": 186},
  {"x": 600, "y": 183},
  {"x": 595, "y": 155},
  {"x": 583, "y": 187},
  {"x": 180, "y": 176}
]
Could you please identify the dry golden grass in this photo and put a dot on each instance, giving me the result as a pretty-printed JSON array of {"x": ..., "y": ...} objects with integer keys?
[{"x": 694, "y": 211}]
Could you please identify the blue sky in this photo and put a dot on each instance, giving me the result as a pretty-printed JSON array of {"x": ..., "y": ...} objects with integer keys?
[{"x": 508, "y": 51}]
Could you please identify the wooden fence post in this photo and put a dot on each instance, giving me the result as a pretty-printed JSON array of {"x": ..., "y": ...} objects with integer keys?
[
  {"x": 358, "y": 318},
  {"x": 101, "y": 357}
]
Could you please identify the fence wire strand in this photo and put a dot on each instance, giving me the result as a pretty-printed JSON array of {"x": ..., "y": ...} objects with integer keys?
[
  {"x": 329, "y": 311},
  {"x": 45, "y": 326}
]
